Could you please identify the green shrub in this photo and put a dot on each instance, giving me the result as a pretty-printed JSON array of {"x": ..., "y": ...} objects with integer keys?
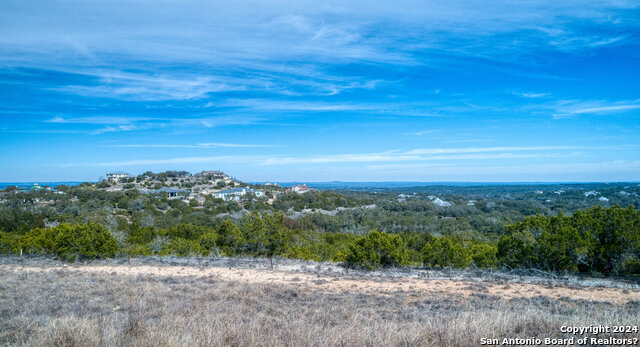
[
  {"x": 631, "y": 266},
  {"x": 208, "y": 243},
  {"x": 446, "y": 252},
  {"x": 603, "y": 240},
  {"x": 484, "y": 255},
  {"x": 9, "y": 243},
  {"x": 377, "y": 249},
  {"x": 187, "y": 231},
  {"x": 137, "y": 250},
  {"x": 141, "y": 236},
  {"x": 103, "y": 184},
  {"x": 517, "y": 250},
  {"x": 181, "y": 247},
  {"x": 230, "y": 238},
  {"x": 67, "y": 241}
]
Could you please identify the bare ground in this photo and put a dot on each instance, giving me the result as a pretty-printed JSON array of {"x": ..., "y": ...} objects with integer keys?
[{"x": 161, "y": 303}]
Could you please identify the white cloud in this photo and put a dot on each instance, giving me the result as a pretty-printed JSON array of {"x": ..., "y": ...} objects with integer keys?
[
  {"x": 488, "y": 149},
  {"x": 423, "y": 132},
  {"x": 118, "y": 128},
  {"x": 620, "y": 170},
  {"x": 277, "y": 37},
  {"x": 144, "y": 87},
  {"x": 237, "y": 145},
  {"x": 572, "y": 108},
  {"x": 199, "y": 145},
  {"x": 426, "y": 154},
  {"x": 531, "y": 95},
  {"x": 102, "y": 120},
  {"x": 606, "y": 109},
  {"x": 415, "y": 155},
  {"x": 185, "y": 160}
]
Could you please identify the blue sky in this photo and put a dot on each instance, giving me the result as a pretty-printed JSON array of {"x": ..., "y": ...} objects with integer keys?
[{"x": 301, "y": 91}]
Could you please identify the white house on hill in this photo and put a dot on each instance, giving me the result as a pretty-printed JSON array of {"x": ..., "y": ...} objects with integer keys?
[
  {"x": 214, "y": 175},
  {"x": 117, "y": 175},
  {"x": 236, "y": 193},
  {"x": 300, "y": 189}
]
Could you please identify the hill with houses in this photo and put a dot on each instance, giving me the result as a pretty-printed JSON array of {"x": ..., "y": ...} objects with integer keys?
[{"x": 186, "y": 186}]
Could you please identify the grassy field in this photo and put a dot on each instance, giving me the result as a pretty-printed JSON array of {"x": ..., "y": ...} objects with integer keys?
[{"x": 45, "y": 303}]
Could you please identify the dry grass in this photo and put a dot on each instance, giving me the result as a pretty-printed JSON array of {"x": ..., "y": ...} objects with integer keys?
[{"x": 43, "y": 304}]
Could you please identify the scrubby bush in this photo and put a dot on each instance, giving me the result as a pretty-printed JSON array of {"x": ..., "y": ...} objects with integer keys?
[
  {"x": 377, "y": 249},
  {"x": 70, "y": 242},
  {"x": 187, "y": 231},
  {"x": 230, "y": 238},
  {"x": 181, "y": 247},
  {"x": 446, "y": 251},
  {"x": 9, "y": 243},
  {"x": 103, "y": 184},
  {"x": 137, "y": 250},
  {"x": 484, "y": 255},
  {"x": 517, "y": 249},
  {"x": 208, "y": 243},
  {"x": 603, "y": 240}
]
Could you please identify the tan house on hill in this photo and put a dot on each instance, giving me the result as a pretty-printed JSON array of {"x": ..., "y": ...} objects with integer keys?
[
  {"x": 212, "y": 174},
  {"x": 117, "y": 175}
]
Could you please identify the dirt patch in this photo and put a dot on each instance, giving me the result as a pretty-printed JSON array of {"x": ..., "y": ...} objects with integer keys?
[{"x": 419, "y": 289}]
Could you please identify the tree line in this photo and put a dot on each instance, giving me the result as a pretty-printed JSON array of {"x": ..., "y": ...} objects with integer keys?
[{"x": 595, "y": 240}]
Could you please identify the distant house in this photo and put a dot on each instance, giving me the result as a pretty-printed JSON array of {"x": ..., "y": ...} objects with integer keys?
[
  {"x": 36, "y": 188},
  {"x": 212, "y": 175},
  {"x": 300, "y": 189},
  {"x": 117, "y": 175},
  {"x": 236, "y": 193},
  {"x": 172, "y": 193},
  {"x": 440, "y": 202}
]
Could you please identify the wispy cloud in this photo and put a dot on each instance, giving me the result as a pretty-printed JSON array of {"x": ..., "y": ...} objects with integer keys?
[
  {"x": 164, "y": 161},
  {"x": 578, "y": 171},
  {"x": 111, "y": 129},
  {"x": 568, "y": 109},
  {"x": 431, "y": 154},
  {"x": 257, "y": 40},
  {"x": 531, "y": 95},
  {"x": 237, "y": 145},
  {"x": 111, "y": 124},
  {"x": 423, "y": 132},
  {"x": 606, "y": 41},
  {"x": 199, "y": 145},
  {"x": 102, "y": 120},
  {"x": 289, "y": 105},
  {"x": 489, "y": 149},
  {"x": 415, "y": 155},
  {"x": 145, "y": 87},
  {"x": 393, "y": 157}
]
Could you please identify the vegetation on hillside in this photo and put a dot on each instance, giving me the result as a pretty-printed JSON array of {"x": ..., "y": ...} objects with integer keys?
[{"x": 503, "y": 227}]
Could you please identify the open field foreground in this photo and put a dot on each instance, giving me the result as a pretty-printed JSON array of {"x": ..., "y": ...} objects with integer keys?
[{"x": 155, "y": 303}]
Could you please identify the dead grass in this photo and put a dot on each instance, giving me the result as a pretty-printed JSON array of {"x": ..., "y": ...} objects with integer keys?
[{"x": 44, "y": 304}]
